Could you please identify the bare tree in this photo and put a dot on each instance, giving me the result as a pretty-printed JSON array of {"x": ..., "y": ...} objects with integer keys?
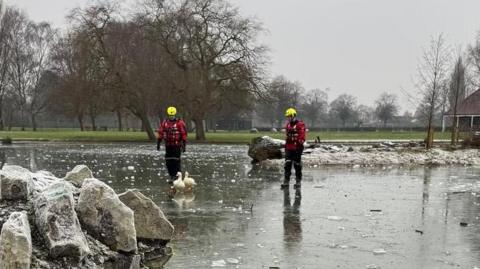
[
  {"x": 90, "y": 24},
  {"x": 287, "y": 93},
  {"x": 214, "y": 50},
  {"x": 281, "y": 94},
  {"x": 21, "y": 62},
  {"x": 432, "y": 77},
  {"x": 27, "y": 61},
  {"x": 364, "y": 114},
  {"x": 235, "y": 106},
  {"x": 127, "y": 64},
  {"x": 141, "y": 71},
  {"x": 344, "y": 107},
  {"x": 43, "y": 37},
  {"x": 70, "y": 63},
  {"x": 456, "y": 94},
  {"x": 6, "y": 19},
  {"x": 315, "y": 104},
  {"x": 386, "y": 107},
  {"x": 474, "y": 61},
  {"x": 267, "y": 110},
  {"x": 10, "y": 109},
  {"x": 200, "y": 56}
]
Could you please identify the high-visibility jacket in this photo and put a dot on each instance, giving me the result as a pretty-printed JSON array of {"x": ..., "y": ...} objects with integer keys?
[
  {"x": 295, "y": 134},
  {"x": 173, "y": 132}
]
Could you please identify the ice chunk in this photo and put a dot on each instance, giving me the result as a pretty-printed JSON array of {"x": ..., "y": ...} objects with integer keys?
[
  {"x": 379, "y": 251},
  {"x": 233, "y": 261},
  {"x": 219, "y": 263},
  {"x": 336, "y": 218}
]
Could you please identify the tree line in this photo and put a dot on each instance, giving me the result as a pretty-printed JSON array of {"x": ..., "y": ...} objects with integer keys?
[
  {"x": 201, "y": 56},
  {"x": 315, "y": 108}
]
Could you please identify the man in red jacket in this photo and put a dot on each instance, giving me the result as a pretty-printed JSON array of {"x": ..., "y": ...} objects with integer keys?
[
  {"x": 174, "y": 132},
  {"x": 295, "y": 137}
]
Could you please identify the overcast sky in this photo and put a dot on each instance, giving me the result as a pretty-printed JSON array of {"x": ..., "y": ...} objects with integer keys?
[{"x": 360, "y": 47}]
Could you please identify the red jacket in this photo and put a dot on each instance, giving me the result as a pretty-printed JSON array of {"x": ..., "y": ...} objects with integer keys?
[
  {"x": 295, "y": 134},
  {"x": 173, "y": 131}
]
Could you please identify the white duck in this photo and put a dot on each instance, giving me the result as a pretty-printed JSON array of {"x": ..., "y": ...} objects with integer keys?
[
  {"x": 178, "y": 184},
  {"x": 189, "y": 182}
]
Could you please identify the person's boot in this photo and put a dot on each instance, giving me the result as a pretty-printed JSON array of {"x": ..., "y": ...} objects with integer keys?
[
  {"x": 297, "y": 184},
  {"x": 285, "y": 184}
]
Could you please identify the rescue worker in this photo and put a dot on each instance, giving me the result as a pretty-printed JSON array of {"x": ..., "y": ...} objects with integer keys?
[
  {"x": 295, "y": 137},
  {"x": 174, "y": 132}
]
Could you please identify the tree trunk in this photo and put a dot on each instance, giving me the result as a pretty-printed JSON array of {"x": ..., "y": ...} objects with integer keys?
[
  {"x": 34, "y": 122},
  {"x": 92, "y": 119},
  {"x": 199, "y": 131},
  {"x": 146, "y": 125},
  {"x": 119, "y": 120},
  {"x": 2, "y": 126},
  {"x": 80, "y": 121},
  {"x": 430, "y": 138},
  {"x": 22, "y": 119},
  {"x": 453, "y": 137},
  {"x": 10, "y": 121},
  {"x": 187, "y": 123},
  {"x": 142, "y": 115},
  {"x": 429, "y": 142}
]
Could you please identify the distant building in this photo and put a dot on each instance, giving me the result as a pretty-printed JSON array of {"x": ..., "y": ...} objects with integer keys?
[{"x": 468, "y": 113}]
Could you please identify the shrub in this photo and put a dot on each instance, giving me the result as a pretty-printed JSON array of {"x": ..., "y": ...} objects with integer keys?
[{"x": 7, "y": 141}]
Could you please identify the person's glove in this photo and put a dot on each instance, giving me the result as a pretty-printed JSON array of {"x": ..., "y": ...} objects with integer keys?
[
  {"x": 184, "y": 146},
  {"x": 300, "y": 144},
  {"x": 158, "y": 144}
]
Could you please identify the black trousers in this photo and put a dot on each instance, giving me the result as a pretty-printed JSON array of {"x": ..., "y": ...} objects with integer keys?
[
  {"x": 173, "y": 161},
  {"x": 293, "y": 158}
]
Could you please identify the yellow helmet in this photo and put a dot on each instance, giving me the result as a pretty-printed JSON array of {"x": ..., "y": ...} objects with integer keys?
[
  {"x": 291, "y": 112},
  {"x": 171, "y": 111}
]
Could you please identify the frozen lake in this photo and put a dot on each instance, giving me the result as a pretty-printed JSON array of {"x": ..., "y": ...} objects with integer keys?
[{"x": 384, "y": 217}]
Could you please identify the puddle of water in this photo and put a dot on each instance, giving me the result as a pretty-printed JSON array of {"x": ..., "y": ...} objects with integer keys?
[{"x": 342, "y": 218}]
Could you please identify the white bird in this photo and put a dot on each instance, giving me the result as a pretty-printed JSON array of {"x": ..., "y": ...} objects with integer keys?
[
  {"x": 189, "y": 182},
  {"x": 178, "y": 184}
]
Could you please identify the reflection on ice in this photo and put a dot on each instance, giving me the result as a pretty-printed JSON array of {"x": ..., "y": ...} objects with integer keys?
[{"x": 292, "y": 224}]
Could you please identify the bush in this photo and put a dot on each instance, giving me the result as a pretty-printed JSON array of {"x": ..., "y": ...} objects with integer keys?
[
  {"x": 7, "y": 141},
  {"x": 473, "y": 141}
]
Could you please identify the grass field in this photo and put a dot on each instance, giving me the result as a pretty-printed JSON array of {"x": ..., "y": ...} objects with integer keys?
[{"x": 218, "y": 137}]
